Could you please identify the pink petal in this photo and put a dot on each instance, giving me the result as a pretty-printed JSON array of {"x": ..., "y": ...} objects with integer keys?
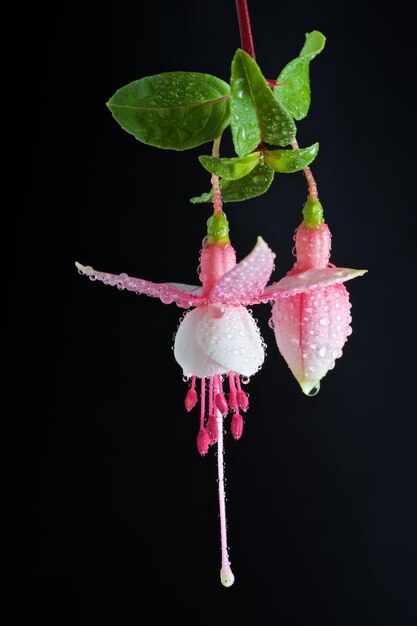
[
  {"x": 311, "y": 330},
  {"x": 247, "y": 279},
  {"x": 310, "y": 279},
  {"x": 184, "y": 295}
]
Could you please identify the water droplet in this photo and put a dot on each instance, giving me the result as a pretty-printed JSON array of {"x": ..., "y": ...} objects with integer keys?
[
  {"x": 314, "y": 391},
  {"x": 325, "y": 321},
  {"x": 245, "y": 380},
  {"x": 271, "y": 323},
  {"x": 185, "y": 379}
]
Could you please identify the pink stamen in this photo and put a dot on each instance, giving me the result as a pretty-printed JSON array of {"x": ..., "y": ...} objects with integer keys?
[
  {"x": 237, "y": 426},
  {"x": 212, "y": 429},
  {"x": 220, "y": 398},
  {"x": 202, "y": 402},
  {"x": 242, "y": 397},
  {"x": 212, "y": 422},
  {"x": 203, "y": 439},
  {"x": 191, "y": 397},
  {"x": 221, "y": 403},
  {"x": 233, "y": 394},
  {"x": 211, "y": 395}
]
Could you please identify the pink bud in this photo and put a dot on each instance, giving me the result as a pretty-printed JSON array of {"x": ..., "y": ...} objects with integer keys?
[
  {"x": 221, "y": 403},
  {"x": 237, "y": 426},
  {"x": 212, "y": 429},
  {"x": 190, "y": 399},
  {"x": 243, "y": 400},
  {"x": 203, "y": 441}
]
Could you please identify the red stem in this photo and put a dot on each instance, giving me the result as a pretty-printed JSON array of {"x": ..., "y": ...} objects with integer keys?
[
  {"x": 244, "y": 27},
  {"x": 247, "y": 45}
]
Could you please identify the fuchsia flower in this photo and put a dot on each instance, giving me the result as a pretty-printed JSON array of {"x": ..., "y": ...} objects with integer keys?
[
  {"x": 218, "y": 340},
  {"x": 312, "y": 327}
]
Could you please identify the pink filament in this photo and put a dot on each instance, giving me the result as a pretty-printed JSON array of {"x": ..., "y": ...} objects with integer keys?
[
  {"x": 232, "y": 394},
  {"x": 211, "y": 395},
  {"x": 220, "y": 400},
  {"x": 202, "y": 402},
  {"x": 211, "y": 422},
  {"x": 242, "y": 397},
  {"x": 191, "y": 397}
]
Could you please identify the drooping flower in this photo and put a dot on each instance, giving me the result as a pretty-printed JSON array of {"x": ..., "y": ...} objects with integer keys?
[
  {"x": 217, "y": 340},
  {"x": 312, "y": 327}
]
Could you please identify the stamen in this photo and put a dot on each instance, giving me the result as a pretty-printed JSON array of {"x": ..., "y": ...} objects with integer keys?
[
  {"x": 212, "y": 422},
  {"x": 220, "y": 399},
  {"x": 237, "y": 426},
  {"x": 226, "y": 575},
  {"x": 242, "y": 397},
  {"x": 202, "y": 402},
  {"x": 232, "y": 395},
  {"x": 191, "y": 397},
  {"x": 211, "y": 395},
  {"x": 203, "y": 439}
]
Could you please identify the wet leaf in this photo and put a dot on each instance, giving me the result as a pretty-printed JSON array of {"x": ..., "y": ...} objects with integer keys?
[
  {"x": 174, "y": 110},
  {"x": 256, "y": 116},
  {"x": 293, "y": 91},
  {"x": 254, "y": 184},
  {"x": 233, "y": 168}
]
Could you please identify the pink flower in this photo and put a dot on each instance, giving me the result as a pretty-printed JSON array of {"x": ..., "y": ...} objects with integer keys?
[
  {"x": 312, "y": 327},
  {"x": 216, "y": 341},
  {"x": 219, "y": 338}
]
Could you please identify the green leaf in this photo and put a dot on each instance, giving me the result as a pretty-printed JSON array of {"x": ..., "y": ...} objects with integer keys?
[
  {"x": 293, "y": 90},
  {"x": 254, "y": 184},
  {"x": 287, "y": 161},
  {"x": 174, "y": 110},
  {"x": 234, "y": 168},
  {"x": 256, "y": 116},
  {"x": 314, "y": 44}
]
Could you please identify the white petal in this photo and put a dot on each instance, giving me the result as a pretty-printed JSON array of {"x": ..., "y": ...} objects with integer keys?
[
  {"x": 187, "y": 350},
  {"x": 229, "y": 335}
]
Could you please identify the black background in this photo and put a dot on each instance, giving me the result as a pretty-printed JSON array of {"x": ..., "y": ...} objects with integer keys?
[{"x": 113, "y": 512}]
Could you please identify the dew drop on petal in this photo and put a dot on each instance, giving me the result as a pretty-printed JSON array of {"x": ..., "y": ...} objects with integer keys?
[{"x": 314, "y": 391}]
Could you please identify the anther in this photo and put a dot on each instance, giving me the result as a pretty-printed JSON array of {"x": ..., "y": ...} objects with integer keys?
[
  {"x": 237, "y": 426},
  {"x": 203, "y": 441},
  {"x": 242, "y": 397},
  {"x": 190, "y": 399},
  {"x": 221, "y": 403}
]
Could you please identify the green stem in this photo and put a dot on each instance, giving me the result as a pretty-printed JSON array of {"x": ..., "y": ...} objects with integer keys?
[{"x": 217, "y": 197}]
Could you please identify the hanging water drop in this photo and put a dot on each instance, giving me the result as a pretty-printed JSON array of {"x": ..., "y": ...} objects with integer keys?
[{"x": 314, "y": 391}]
